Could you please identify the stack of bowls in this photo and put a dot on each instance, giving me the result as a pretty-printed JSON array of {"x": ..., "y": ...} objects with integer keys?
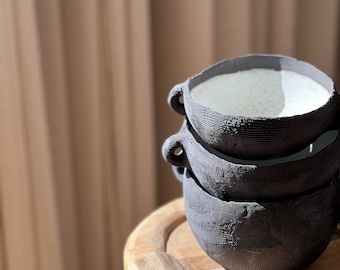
[{"x": 258, "y": 155}]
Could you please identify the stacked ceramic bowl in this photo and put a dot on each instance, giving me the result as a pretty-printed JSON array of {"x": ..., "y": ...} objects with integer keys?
[{"x": 258, "y": 155}]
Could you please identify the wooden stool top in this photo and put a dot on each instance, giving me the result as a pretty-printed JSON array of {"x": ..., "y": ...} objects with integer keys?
[{"x": 164, "y": 240}]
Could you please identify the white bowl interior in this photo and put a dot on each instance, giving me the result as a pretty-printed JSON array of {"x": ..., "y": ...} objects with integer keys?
[{"x": 261, "y": 92}]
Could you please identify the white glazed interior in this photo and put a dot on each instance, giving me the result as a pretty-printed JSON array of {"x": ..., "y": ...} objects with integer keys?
[{"x": 261, "y": 93}]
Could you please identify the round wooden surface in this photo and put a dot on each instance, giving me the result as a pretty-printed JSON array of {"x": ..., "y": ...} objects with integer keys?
[{"x": 164, "y": 241}]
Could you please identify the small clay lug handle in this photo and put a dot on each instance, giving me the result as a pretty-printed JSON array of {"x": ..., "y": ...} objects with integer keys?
[
  {"x": 175, "y": 99},
  {"x": 173, "y": 151},
  {"x": 178, "y": 172}
]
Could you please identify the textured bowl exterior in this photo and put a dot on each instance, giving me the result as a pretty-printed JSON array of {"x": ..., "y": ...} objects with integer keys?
[
  {"x": 254, "y": 137},
  {"x": 287, "y": 234},
  {"x": 225, "y": 179}
]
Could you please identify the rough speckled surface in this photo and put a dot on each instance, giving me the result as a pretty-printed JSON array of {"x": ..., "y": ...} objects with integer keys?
[
  {"x": 255, "y": 136},
  {"x": 261, "y": 93},
  {"x": 222, "y": 177},
  {"x": 288, "y": 234}
]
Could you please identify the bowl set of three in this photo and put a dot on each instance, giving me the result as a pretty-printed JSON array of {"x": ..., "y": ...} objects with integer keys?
[{"x": 258, "y": 157}]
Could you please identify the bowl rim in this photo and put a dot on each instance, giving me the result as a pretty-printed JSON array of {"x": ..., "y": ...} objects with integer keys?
[
  {"x": 194, "y": 80},
  {"x": 334, "y": 135},
  {"x": 188, "y": 175}
]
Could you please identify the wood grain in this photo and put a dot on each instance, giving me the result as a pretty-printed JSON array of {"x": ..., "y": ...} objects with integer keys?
[
  {"x": 149, "y": 239},
  {"x": 183, "y": 247}
]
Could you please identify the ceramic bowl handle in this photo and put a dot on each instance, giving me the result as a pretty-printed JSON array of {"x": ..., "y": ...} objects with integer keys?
[
  {"x": 173, "y": 151},
  {"x": 178, "y": 172},
  {"x": 175, "y": 99}
]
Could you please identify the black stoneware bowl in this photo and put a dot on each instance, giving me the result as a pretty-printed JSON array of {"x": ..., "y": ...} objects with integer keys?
[
  {"x": 257, "y": 136},
  {"x": 226, "y": 177},
  {"x": 248, "y": 235}
]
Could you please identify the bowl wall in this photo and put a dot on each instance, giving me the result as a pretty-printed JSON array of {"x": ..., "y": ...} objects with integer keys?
[
  {"x": 254, "y": 137},
  {"x": 287, "y": 234},
  {"x": 226, "y": 177}
]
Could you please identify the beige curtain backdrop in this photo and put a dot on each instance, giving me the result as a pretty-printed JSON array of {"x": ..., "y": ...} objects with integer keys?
[{"x": 83, "y": 113}]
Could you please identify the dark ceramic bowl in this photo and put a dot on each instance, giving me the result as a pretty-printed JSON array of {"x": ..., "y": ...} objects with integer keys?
[
  {"x": 254, "y": 137},
  {"x": 226, "y": 177},
  {"x": 287, "y": 234}
]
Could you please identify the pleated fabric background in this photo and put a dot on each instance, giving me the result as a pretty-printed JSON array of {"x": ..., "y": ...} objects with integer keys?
[{"x": 83, "y": 113}]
